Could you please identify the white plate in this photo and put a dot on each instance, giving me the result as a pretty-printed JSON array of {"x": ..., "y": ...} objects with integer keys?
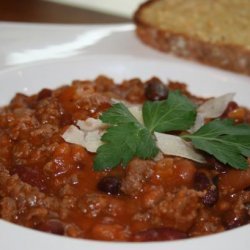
[{"x": 80, "y": 52}]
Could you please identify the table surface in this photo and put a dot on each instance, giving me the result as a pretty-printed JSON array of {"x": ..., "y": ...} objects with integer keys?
[{"x": 47, "y": 12}]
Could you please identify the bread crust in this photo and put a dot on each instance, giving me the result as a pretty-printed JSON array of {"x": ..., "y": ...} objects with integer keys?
[{"x": 227, "y": 56}]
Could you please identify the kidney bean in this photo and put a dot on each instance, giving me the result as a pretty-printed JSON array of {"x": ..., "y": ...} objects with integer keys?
[
  {"x": 110, "y": 185},
  {"x": 159, "y": 234},
  {"x": 53, "y": 226},
  {"x": 230, "y": 107},
  {"x": 31, "y": 175},
  {"x": 233, "y": 219},
  {"x": 155, "y": 90}
]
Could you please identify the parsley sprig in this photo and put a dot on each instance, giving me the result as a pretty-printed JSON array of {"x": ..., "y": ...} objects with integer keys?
[
  {"x": 227, "y": 142},
  {"x": 124, "y": 139},
  {"x": 127, "y": 138},
  {"x": 175, "y": 113}
]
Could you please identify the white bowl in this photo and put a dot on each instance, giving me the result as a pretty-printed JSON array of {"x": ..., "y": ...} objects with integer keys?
[{"x": 201, "y": 80}]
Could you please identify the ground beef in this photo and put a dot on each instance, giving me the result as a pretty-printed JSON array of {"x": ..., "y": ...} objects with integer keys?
[
  {"x": 21, "y": 199},
  {"x": 177, "y": 209},
  {"x": 138, "y": 171},
  {"x": 49, "y": 185},
  {"x": 95, "y": 204}
]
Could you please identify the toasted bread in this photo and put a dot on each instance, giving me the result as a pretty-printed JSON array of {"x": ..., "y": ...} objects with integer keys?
[{"x": 214, "y": 32}]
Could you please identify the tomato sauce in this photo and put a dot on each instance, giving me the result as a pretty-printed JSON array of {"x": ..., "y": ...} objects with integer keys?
[{"x": 49, "y": 185}]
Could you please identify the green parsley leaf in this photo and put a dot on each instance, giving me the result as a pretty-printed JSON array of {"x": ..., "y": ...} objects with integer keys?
[
  {"x": 118, "y": 114},
  {"x": 119, "y": 148},
  {"x": 125, "y": 139},
  {"x": 227, "y": 142},
  {"x": 177, "y": 112},
  {"x": 146, "y": 147}
]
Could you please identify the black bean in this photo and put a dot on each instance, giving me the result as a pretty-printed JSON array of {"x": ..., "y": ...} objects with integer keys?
[
  {"x": 218, "y": 166},
  {"x": 215, "y": 180},
  {"x": 211, "y": 197},
  {"x": 110, "y": 185},
  {"x": 156, "y": 90},
  {"x": 159, "y": 234},
  {"x": 53, "y": 226},
  {"x": 233, "y": 219},
  {"x": 201, "y": 181},
  {"x": 247, "y": 206}
]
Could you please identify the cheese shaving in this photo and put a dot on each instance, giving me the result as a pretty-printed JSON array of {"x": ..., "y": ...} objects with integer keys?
[
  {"x": 73, "y": 135},
  {"x": 212, "y": 108},
  {"x": 91, "y": 124},
  {"x": 175, "y": 145},
  {"x": 91, "y": 140},
  {"x": 199, "y": 122},
  {"x": 136, "y": 111},
  {"x": 215, "y": 107}
]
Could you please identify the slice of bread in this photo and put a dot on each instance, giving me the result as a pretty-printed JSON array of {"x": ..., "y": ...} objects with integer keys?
[{"x": 214, "y": 32}]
